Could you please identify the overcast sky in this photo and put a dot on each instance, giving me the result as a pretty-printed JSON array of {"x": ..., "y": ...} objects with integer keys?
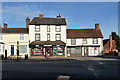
[{"x": 78, "y": 15}]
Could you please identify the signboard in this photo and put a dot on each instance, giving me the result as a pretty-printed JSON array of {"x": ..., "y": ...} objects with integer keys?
[
  {"x": 47, "y": 45},
  {"x": 36, "y": 45}
]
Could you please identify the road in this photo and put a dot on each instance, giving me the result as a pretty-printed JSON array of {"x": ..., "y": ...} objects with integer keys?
[{"x": 65, "y": 70}]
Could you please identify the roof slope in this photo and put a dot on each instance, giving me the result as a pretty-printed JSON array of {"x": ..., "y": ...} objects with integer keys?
[
  {"x": 84, "y": 33},
  {"x": 47, "y": 21},
  {"x": 15, "y": 30}
]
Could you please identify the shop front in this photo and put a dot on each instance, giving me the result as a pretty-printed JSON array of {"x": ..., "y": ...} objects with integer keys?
[
  {"x": 43, "y": 48},
  {"x": 74, "y": 51}
]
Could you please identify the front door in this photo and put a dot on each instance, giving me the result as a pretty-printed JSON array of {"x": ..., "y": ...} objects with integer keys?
[
  {"x": 12, "y": 49},
  {"x": 85, "y": 51},
  {"x": 47, "y": 52}
]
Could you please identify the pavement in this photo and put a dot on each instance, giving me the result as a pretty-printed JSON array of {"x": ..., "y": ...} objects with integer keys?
[{"x": 41, "y": 59}]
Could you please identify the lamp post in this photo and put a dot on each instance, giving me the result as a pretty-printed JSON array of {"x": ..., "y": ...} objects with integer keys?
[{"x": 17, "y": 49}]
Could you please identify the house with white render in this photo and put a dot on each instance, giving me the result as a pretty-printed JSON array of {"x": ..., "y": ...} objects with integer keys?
[{"x": 45, "y": 36}]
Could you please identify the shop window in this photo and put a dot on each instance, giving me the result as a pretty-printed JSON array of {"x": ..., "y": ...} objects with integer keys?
[
  {"x": 94, "y": 50},
  {"x": 23, "y": 48},
  {"x": 58, "y": 28},
  {"x": 84, "y": 41},
  {"x": 95, "y": 40},
  {"x": 1, "y": 36},
  {"x": 48, "y": 28},
  {"x": 21, "y": 37},
  {"x": 37, "y": 51},
  {"x": 58, "y": 37},
  {"x": 75, "y": 50},
  {"x": 37, "y": 37},
  {"x": 73, "y": 41},
  {"x": 37, "y": 28},
  {"x": 48, "y": 37},
  {"x": 58, "y": 50}
]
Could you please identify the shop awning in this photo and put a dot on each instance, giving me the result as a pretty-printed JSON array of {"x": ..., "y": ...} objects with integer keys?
[
  {"x": 47, "y": 43},
  {"x": 1, "y": 43}
]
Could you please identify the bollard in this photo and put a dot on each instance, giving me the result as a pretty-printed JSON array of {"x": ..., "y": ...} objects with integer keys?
[
  {"x": 5, "y": 54},
  {"x": 26, "y": 56}
]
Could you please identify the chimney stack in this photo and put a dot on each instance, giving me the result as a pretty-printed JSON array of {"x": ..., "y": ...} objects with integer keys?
[
  {"x": 27, "y": 22},
  {"x": 5, "y": 25},
  {"x": 41, "y": 15},
  {"x": 110, "y": 42},
  {"x": 97, "y": 27},
  {"x": 58, "y": 16}
]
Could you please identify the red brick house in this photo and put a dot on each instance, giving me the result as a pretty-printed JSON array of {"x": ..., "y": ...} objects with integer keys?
[{"x": 109, "y": 46}]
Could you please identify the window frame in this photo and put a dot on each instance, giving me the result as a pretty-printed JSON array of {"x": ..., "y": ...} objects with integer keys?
[
  {"x": 94, "y": 50},
  {"x": 48, "y": 37},
  {"x": 37, "y": 28},
  {"x": 84, "y": 39},
  {"x": 72, "y": 42},
  {"x": 57, "y": 28},
  {"x": 37, "y": 37},
  {"x": 59, "y": 37},
  {"x": 25, "y": 50},
  {"x": 48, "y": 28},
  {"x": 22, "y": 38},
  {"x": 94, "y": 41}
]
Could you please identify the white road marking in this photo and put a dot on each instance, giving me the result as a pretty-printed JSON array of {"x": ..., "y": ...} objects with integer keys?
[
  {"x": 63, "y": 77},
  {"x": 100, "y": 62}
]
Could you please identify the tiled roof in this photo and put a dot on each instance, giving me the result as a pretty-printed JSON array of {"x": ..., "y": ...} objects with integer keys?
[
  {"x": 15, "y": 30},
  {"x": 47, "y": 43},
  {"x": 84, "y": 33},
  {"x": 47, "y": 21}
]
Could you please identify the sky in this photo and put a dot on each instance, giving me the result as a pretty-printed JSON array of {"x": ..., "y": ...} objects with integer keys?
[{"x": 79, "y": 15}]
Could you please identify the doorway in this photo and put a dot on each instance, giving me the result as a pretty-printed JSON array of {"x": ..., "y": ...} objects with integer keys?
[
  {"x": 85, "y": 51},
  {"x": 12, "y": 49},
  {"x": 47, "y": 52}
]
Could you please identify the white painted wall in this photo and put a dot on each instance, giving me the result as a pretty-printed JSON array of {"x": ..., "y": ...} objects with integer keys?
[
  {"x": 79, "y": 42},
  {"x": 11, "y": 39},
  {"x": 43, "y": 33}
]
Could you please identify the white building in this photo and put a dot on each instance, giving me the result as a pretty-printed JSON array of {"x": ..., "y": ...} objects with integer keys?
[
  {"x": 45, "y": 36},
  {"x": 49, "y": 36}
]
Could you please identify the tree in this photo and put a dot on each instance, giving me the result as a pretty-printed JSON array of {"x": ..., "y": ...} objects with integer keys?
[{"x": 117, "y": 40}]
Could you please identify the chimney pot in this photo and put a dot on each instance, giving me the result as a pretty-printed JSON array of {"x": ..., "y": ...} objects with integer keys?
[
  {"x": 97, "y": 27},
  {"x": 5, "y": 25},
  {"x": 41, "y": 15},
  {"x": 27, "y": 22},
  {"x": 58, "y": 16}
]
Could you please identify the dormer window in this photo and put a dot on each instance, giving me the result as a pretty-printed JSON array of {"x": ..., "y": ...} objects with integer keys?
[
  {"x": 84, "y": 41},
  {"x": 37, "y": 28}
]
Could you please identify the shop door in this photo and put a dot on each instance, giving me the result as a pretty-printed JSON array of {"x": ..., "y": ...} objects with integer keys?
[
  {"x": 85, "y": 51},
  {"x": 47, "y": 52},
  {"x": 12, "y": 49}
]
